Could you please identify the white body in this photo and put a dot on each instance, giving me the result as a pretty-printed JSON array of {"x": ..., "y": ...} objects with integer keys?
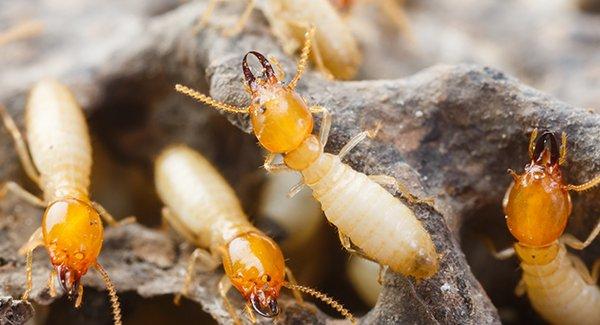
[
  {"x": 59, "y": 141},
  {"x": 379, "y": 224},
  {"x": 558, "y": 292},
  {"x": 199, "y": 197},
  {"x": 290, "y": 19},
  {"x": 364, "y": 277}
]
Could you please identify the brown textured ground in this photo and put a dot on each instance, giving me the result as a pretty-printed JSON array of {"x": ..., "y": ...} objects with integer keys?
[{"x": 450, "y": 131}]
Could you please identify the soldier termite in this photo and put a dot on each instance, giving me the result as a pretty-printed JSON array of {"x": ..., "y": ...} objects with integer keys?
[
  {"x": 537, "y": 207},
  {"x": 204, "y": 209},
  {"x": 335, "y": 50},
  {"x": 367, "y": 216},
  {"x": 60, "y": 164}
]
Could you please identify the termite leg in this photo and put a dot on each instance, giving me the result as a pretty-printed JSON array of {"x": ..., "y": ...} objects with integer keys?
[
  {"x": 499, "y": 255},
  {"x": 401, "y": 188},
  {"x": 381, "y": 274},
  {"x": 79, "y": 295},
  {"x": 347, "y": 244},
  {"x": 532, "y": 139},
  {"x": 355, "y": 140},
  {"x": 21, "y": 193},
  {"x": 109, "y": 218},
  {"x": 325, "y": 123},
  {"x": 208, "y": 260},
  {"x": 34, "y": 241},
  {"x": 20, "y": 146},
  {"x": 250, "y": 312},
  {"x": 581, "y": 269},
  {"x": 203, "y": 21},
  {"x": 24, "y": 30},
  {"x": 596, "y": 271},
  {"x": 575, "y": 243},
  {"x": 563, "y": 149},
  {"x": 241, "y": 23},
  {"x": 224, "y": 286},
  {"x": 51, "y": 286},
  {"x": 270, "y": 167},
  {"x": 28, "y": 274},
  {"x": 521, "y": 288},
  {"x": 179, "y": 227},
  {"x": 292, "y": 280},
  {"x": 279, "y": 72},
  {"x": 295, "y": 189}
]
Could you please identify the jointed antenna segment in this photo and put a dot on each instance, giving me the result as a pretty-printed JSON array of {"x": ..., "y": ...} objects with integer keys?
[{"x": 208, "y": 100}]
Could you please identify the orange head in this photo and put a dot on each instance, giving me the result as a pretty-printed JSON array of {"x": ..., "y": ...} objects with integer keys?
[
  {"x": 280, "y": 118},
  {"x": 255, "y": 266},
  {"x": 537, "y": 204},
  {"x": 72, "y": 232}
]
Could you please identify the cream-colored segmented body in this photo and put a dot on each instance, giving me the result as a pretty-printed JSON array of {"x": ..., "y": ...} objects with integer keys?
[
  {"x": 559, "y": 293},
  {"x": 334, "y": 41},
  {"x": 59, "y": 141},
  {"x": 211, "y": 211},
  {"x": 379, "y": 224}
]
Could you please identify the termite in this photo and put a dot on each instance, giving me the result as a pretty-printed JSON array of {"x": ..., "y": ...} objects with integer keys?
[
  {"x": 537, "y": 206},
  {"x": 367, "y": 216},
  {"x": 58, "y": 158},
  {"x": 203, "y": 208},
  {"x": 335, "y": 50}
]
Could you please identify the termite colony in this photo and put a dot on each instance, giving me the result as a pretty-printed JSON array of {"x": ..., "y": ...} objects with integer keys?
[{"x": 305, "y": 188}]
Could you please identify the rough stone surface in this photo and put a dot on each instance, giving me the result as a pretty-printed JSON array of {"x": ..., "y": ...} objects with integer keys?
[
  {"x": 449, "y": 132},
  {"x": 14, "y": 311}
]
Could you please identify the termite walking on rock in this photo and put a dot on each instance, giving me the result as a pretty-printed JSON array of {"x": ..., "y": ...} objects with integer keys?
[
  {"x": 367, "y": 216},
  {"x": 335, "y": 50},
  {"x": 60, "y": 164},
  {"x": 537, "y": 207},
  {"x": 204, "y": 209}
]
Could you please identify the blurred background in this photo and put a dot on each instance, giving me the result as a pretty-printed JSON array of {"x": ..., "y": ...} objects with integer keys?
[{"x": 551, "y": 45}]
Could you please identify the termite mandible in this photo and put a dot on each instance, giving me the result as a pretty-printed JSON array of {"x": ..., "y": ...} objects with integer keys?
[
  {"x": 537, "y": 206},
  {"x": 60, "y": 164},
  {"x": 335, "y": 50},
  {"x": 367, "y": 216},
  {"x": 204, "y": 209}
]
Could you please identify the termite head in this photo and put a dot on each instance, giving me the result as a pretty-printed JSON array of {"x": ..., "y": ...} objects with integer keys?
[
  {"x": 280, "y": 118},
  {"x": 255, "y": 266},
  {"x": 72, "y": 234},
  {"x": 537, "y": 204}
]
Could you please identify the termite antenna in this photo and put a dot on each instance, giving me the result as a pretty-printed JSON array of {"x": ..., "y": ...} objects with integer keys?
[
  {"x": 303, "y": 56},
  {"x": 325, "y": 298},
  {"x": 112, "y": 292},
  {"x": 208, "y": 100}
]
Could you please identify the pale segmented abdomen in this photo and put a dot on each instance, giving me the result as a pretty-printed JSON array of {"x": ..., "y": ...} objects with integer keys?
[
  {"x": 376, "y": 222},
  {"x": 199, "y": 197},
  {"x": 558, "y": 292},
  {"x": 59, "y": 141}
]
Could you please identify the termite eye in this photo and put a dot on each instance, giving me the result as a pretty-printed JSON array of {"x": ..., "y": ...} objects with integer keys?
[{"x": 546, "y": 140}]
